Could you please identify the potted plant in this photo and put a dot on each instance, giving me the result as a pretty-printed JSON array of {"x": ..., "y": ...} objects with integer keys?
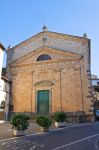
[
  {"x": 60, "y": 118},
  {"x": 44, "y": 122},
  {"x": 20, "y": 123}
]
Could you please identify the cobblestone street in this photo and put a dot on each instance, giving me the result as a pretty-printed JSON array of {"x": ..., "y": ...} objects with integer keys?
[{"x": 77, "y": 137}]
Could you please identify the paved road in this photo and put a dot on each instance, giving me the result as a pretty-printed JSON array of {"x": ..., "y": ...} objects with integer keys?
[{"x": 83, "y": 137}]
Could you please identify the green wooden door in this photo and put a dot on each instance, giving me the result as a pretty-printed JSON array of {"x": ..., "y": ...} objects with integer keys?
[{"x": 43, "y": 102}]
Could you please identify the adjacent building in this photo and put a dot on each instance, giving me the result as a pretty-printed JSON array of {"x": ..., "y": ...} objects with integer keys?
[
  {"x": 4, "y": 89},
  {"x": 2, "y": 95},
  {"x": 95, "y": 85}
]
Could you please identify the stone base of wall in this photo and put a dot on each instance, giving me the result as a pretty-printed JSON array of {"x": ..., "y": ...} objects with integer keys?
[
  {"x": 32, "y": 115},
  {"x": 72, "y": 117},
  {"x": 80, "y": 119}
]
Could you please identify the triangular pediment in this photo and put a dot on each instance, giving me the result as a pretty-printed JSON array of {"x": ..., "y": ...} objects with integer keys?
[
  {"x": 50, "y": 34},
  {"x": 55, "y": 54},
  {"x": 48, "y": 39}
]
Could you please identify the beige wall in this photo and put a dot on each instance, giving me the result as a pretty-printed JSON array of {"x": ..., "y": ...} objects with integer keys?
[
  {"x": 67, "y": 88},
  {"x": 68, "y": 71}
]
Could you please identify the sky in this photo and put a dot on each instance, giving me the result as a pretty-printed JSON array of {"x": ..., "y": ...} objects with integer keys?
[{"x": 21, "y": 19}]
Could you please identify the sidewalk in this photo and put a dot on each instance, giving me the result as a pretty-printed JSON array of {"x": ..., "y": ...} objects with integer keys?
[{"x": 7, "y": 132}]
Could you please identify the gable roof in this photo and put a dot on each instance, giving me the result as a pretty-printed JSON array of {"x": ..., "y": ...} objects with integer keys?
[
  {"x": 2, "y": 46},
  {"x": 60, "y": 35},
  {"x": 5, "y": 79}
]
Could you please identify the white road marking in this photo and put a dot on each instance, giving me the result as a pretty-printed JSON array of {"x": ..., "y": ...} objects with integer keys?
[
  {"x": 96, "y": 144},
  {"x": 69, "y": 144},
  {"x": 2, "y": 140},
  {"x": 18, "y": 137}
]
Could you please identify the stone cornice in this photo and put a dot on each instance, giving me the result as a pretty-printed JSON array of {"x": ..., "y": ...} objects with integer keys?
[
  {"x": 47, "y": 62},
  {"x": 43, "y": 83}
]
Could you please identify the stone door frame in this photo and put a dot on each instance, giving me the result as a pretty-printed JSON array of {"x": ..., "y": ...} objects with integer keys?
[{"x": 43, "y": 85}]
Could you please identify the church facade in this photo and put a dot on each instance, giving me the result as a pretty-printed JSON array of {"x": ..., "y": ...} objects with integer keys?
[{"x": 50, "y": 72}]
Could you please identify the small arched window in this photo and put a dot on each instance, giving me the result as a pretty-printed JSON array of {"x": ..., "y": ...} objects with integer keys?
[
  {"x": 2, "y": 105},
  {"x": 43, "y": 57}
]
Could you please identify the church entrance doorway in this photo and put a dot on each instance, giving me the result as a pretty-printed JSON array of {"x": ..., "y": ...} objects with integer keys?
[{"x": 43, "y": 102}]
